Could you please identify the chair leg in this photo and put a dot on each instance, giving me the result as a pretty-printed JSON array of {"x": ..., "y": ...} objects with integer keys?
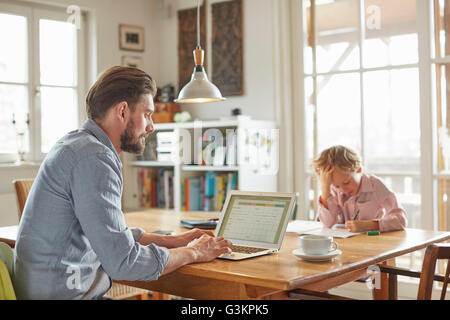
[
  {"x": 444, "y": 286},
  {"x": 393, "y": 287}
]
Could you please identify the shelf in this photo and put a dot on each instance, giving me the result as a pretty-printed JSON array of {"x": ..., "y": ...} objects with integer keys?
[
  {"x": 196, "y": 124},
  {"x": 209, "y": 168},
  {"x": 152, "y": 164}
]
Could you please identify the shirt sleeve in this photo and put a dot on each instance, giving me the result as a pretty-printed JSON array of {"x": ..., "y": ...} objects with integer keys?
[
  {"x": 333, "y": 214},
  {"x": 96, "y": 186},
  {"x": 395, "y": 216}
]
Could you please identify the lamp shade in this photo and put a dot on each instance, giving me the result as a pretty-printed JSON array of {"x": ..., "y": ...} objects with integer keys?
[{"x": 199, "y": 89}]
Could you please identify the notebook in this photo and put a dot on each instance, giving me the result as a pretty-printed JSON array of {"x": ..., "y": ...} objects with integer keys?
[{"x": 255, "y": 222}]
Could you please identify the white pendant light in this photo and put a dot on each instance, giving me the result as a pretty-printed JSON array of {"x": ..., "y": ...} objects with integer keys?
[{"x": 199, "y": 89}]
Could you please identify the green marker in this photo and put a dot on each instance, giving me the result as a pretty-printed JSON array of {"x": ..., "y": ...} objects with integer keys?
[{"x": 373, "y": 233}]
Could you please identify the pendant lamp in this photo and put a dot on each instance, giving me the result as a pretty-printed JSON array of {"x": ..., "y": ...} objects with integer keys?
[{"x": 199, "y": 89}]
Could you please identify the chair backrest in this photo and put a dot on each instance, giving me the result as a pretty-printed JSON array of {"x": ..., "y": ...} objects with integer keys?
[
  {"x": 22, "y": 188},
  {"x": 6, "y": 269},
  {"x": 433, "y": 253}
]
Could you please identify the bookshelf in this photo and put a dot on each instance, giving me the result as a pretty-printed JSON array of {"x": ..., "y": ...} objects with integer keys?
[{"x": 241, "y": 148}]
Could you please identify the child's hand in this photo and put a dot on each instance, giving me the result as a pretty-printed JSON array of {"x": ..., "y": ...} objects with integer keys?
[
  {"x": 325, "y": 182},
  {"x": 361, "y": 225}
]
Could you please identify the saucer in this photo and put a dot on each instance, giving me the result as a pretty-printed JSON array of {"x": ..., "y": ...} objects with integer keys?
[{"x": 326, "y": 257}]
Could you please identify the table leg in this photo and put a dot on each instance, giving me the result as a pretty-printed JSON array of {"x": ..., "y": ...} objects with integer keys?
[{"x": 386, "y": 288}]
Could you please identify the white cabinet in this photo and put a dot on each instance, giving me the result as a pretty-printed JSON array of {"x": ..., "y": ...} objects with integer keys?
[{"x": 243, "y": 146}]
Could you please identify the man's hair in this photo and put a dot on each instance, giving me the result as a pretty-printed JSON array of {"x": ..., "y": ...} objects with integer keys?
[
  {"x": 338, "y": 156},
  {"x": 115, "y": 85}
]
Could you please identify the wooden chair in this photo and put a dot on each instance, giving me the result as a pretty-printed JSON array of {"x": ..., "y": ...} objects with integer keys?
[
  {"x": 427, "y": 277},
  {"x": 117, "y": 291},
  {"x": 22, "y": 188}
]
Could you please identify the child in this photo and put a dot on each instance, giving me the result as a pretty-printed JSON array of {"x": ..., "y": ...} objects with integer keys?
[{"x": 348, "y": 193}]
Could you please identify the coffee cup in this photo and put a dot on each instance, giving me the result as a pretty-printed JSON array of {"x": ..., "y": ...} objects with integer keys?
[{"x": 316, "y": 245}]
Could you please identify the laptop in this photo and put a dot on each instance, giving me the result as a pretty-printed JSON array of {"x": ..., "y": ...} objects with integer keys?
[{"x": 255, "y": 222}]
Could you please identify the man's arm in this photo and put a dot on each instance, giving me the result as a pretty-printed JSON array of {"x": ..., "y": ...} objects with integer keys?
[{"x": 175, "y": 241}]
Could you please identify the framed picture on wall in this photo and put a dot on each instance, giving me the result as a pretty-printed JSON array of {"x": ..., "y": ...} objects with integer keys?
[
  {"x": 131, "y": 37},
  {"x": 132, "y": 61}
]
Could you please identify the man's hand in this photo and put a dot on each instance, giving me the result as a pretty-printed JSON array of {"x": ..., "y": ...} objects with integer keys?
[
  {"x": 208, "y": 248},
  {"x": 203, "y": 249},
  {"x": 183, "y": 239}
]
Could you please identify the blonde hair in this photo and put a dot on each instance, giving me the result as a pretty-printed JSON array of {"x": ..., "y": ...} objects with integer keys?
[{"x": 338, "y": 156}]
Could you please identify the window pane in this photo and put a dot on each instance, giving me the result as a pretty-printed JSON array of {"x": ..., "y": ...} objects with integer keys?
[
  {"x": 309, "y": 123},
  {"x": 392, "y": 120},
  {"x": 59, "y": 114},
  {"x": 337, "y": 35},
  {"x": 58, "y": 53},
  {"x": 390, "y": 33},
  {"x": 13, "y": 105},
  {"x": 407, "y": 190},
  {"x": 339, "y": 111},
  {"x": 443, "y": 121},
  {"x": 13, "y": 48}
]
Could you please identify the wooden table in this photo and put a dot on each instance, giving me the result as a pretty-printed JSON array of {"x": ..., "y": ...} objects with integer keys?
[{"x": 273, "y": 276}]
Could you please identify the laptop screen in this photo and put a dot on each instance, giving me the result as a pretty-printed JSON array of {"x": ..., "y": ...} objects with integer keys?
[{"x": 255, "y": 218}]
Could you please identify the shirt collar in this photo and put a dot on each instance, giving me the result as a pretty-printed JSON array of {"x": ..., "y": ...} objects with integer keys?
[
  {"x": 366, "y": 186},
  {"x": 94, "y": 129}
]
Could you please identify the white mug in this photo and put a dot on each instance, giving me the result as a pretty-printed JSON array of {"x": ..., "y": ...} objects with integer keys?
[{"x": 317, "y": 245}]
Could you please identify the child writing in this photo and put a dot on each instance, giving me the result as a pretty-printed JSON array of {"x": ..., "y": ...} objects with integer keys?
[{"x": 349, "y": 196}]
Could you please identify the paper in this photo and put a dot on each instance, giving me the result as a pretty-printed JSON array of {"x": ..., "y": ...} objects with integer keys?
[
  {"x": 316, "y": 228},
  {"x": 301, "y": 226}
]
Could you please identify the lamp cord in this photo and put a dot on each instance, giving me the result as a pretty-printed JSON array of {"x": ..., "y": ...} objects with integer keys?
[{"x": 198, "y": 24}]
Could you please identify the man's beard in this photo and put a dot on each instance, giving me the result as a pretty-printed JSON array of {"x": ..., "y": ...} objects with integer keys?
[{"x": 126, "y": 140}]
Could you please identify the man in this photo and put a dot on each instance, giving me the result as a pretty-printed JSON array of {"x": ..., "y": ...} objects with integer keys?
[{"x": 72, "y": 237}]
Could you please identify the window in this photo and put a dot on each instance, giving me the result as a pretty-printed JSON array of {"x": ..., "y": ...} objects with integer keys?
[
  {"x": 362, "y": 88},
  {"x": 40, "y": 79}
]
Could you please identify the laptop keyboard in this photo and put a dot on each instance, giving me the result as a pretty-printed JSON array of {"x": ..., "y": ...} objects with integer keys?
[{"x": 241, "y": 249}]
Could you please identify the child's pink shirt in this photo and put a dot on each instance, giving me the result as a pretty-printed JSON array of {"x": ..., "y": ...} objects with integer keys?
[{"x": 374, "y": 202}]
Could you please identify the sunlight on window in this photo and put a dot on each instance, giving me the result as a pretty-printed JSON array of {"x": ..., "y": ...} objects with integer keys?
[
  {"x": 337, "y": 57},
  {"x": 14, "y": 48},
  {"x": 13, "y": 103},
  {"x": 339, "y": 111},
  {"x": 392, "y": 112},
  {"x": 58, "y": 53},
  {"x": 309, "y": 123},
  {"x": 59, "y": 114}
]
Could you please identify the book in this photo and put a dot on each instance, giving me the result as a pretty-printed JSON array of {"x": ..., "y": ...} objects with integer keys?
[
  {"x": 201, "y": 224},
  {"x": 156, "y": 188},
  {"x": 194, "y": 194}
]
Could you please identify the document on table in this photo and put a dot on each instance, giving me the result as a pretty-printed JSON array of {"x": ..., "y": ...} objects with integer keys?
[{"x": 316, "y": 228}]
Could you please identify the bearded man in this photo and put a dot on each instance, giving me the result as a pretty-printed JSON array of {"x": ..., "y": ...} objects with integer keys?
[{"x": 72, "y": 236}]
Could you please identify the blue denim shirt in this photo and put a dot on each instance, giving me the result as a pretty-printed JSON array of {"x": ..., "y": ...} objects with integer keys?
[{"x": 72, "y": 235}]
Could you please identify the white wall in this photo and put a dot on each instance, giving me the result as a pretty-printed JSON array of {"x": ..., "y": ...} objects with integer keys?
[{"x": 258, "y": 47}]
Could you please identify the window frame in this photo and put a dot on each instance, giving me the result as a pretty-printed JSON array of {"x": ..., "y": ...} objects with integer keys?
[
  {"x": 33, "y": 12},
  {"x": 428, "y": 170}
]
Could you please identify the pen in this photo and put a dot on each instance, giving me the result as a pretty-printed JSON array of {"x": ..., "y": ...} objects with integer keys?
[{"x": 356, "y": 215}]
